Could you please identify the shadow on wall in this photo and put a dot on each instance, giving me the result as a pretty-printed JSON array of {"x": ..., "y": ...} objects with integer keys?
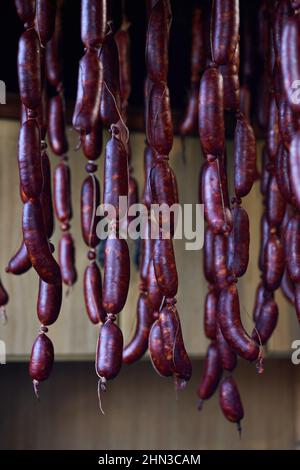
[{"x": 142, "y": 411}]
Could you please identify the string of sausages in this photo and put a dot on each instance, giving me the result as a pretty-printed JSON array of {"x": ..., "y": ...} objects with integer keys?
[
  {"x": 59, "y": 146},
  {"x": 116, "y": 254},
  {"x": 35, "y": 180},
  {"x": 166, "y": 346}
]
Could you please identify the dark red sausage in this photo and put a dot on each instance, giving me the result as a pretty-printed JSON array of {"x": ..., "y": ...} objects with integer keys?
[
  {"x": 53, "y": 53},
  {"x": 238, "y": 242},
  {"x": 281, "y": 14},
  {"x": 217, "y": 215},
  {"x": 155, "y": 294},
  {"x": 161, "y": 180},
  {"x": 211, "y": 113},
  {"x": 159, "y": 124},
  {"x": 93, "y": 22},
  {"x": 165, "y": 267},
  {"x": 110, "y": 107},
  {"x": 161, "y": 364},
  {"x": 231, "y": 82},
  {"x": 208, "y": 258},
  {"x": 220, "y": 251},
  {"x": 273, "y": 262},
  {"x": 138, "y": 345},
  {"x": 42, "y": 358},
  {"x": 294, "y": 160},
  {"x": 265, "y": 173},
  {"x": 115, "y": 173},
  {"x": 49, "y": 302},
  {"x": 90, "y": 200},
  {"x": 123, "y": 44},
  {"x": 273, "y": 130},
  {"x": 290, "y": 50},
  {"x": 26, "y": 10},
  {"x": 264, "y": 235},
  {"x": 230, "y": 401},
  {"x": 146, "y": 250},
  {"x": 116, "y": 275},
  {"x": 20, "y": 262},
  {"x": 92, "y": 142},
  {"x": 46, "y": 196},
  {"x": 29, "y": 159},
  {"x": 275, "y": 203},
  {"x": 157, "y": 41},
  {"x": 42, "y": 114},
  {"x": 231, "y": 326},
  {"x": 149, "y": 158},
  {"x": 56, "y": 130},
  {"x": 89, "y": 91},
  {"x": 292, "y": 248},
  {"x": 109, "y": 351},
  {"x": 262, "y": 295},
  {"x": 282, "y": 173},
  {"x": 287, "y": 287},
  {"x": 227, "y": 355},
  {"x": 266, "y": 322},
  {"x": 62, "y": 192},
  {"x": 225, "y": 32},
  {"x": 211, "y": 374},
  {"x": 92, "y": 284},
  {"x": 210, "y": 314},
  {"x": 244, "y": 158},
  {"x": 288, "y": 122},
  {"x": 37, "y": 243},
  {"x": 29, "y": 69},
  {"x": 45, "y": 19},
  {"x": 66, "y": 259}
]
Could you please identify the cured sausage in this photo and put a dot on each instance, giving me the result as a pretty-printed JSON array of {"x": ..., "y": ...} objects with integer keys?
[
  {"x": 66, "y": 257},
  {"x": 165, "y": 266},
  {"x": 45, "y": 19},
  {"x": 42, "y": 358},
  {"x": 49, "y": 302},
  {"x": 109, "y": 351},
  {"x": 92, "y": 283},
  {"x": 230, "y": 401},
  {"x": 93, "y": 22},
  {"x": 210, "y": 314},
  {"x": 62, "y": 192},
  {"x": 20, "y": 262},
  {"x": 292, "y": 248},
  {"x": 227, "y": 355},
  {"x": 266, "y": 322},
  {"x": 159, "y": 122},
  {"x": 244, "y": 158},
  {"x": 56, "y": 131},
  {"x": 29, "y": 159},
  {"x": 90, "y": 200},
  {"x": 225, "y": 32},
  {"x": 29, "y": 69},
  {"x": 238, "y": 242},
  {"x": 212, "y": 374},
  {"x": 273, "y": 262}
]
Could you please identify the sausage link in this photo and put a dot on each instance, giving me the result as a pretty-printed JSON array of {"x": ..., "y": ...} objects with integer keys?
[
  {"x": 220, "y": 250},
  {"x": 273, "y": 130},
  {"x": 266, "y": 322},
  {"x": 123, "y": 44},
  {"x": 265, "y": 174},
  {"x": 46, "y": 196},
  {"x": 264, "y": 235},
  {"x": 138, "y": 345},
  {"x": 294, "y": 160},
  {"x": 208, "y": 255},
  {"x": 230, "y": 401},
  {"x": 54, "y": 69},
  {"x": 165, "y": 266},
  {"x": 29, "y": 159},
  {"x": 161, "y": 364},
  {"x": 238, "y": 242},
  {"x": 45, "y": 19},
  {"x": 49, "y": 302},
  {"x": 210, "y": 314},
  {"x": 109, "y": 351},
  {"x": 4, "y": 298},
  {"x": 110, "y": 107},
  {"x": 288, "y": 122},
  {"x": 66, "y": 257},
  {"x": 155, "y": 294},
  {"x": 89, "y": 89},
  {"x": 92, "y": 142},
  {"x": 231, "y": 326},
  {"x": 20, "y": 262},
  {"x": 244, "y": 158},
  {"x": 273, "y": 262},
  {"x": 37, "y": 243},
  {"x": 90, "y": 200},
  {"x": 292, "y": 248},
  {"x": 92, "y": 283},
  {"x": 225, "y": 30},
  {"x": 116, "y": 275},
  {"x": 149, "y": 158},
  {"x": 275, "y": 203},
  {"x": 227, "y": 355},
  {"x": 29, "y": 69},
  {"x": 159, "y": 123},
  {"x": 262, "y": 295},
  {"x": 93, "y": 22},
  {"x": 62, "y": 192},
  {"x": 57, "y": 127},
  {"x": 26, "y": 10},
  {"x": 282, "y": 173},
  {"x": 157, "y": 41},
  {"x": 161, "y": 180},
  {"x": 211, "y": 113},
  {"x": 42, "y": 358},
  {"x": 231, "y": 82},
  {"x": 211, "y": 375},
  {"x": 287, "y": 287},
  {"x": 290, "y": 50},
  {"x": 217, "y": 215}
]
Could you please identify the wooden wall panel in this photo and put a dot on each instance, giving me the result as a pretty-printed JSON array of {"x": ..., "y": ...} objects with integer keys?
[
  {"x": 141, "y": 410},
  {"x": 73, "y": 335}
]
